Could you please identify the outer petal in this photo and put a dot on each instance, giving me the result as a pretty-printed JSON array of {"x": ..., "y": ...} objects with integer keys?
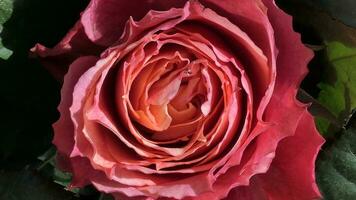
[
  {"x": 293, "y": 166},
  {"x": 291, "y": 69},
  {"x": 63, "y": 128},
  {"x": 104, "y": 20},
  {"x": 72, "y": 46},
  {"x": 291, "y": 175}
]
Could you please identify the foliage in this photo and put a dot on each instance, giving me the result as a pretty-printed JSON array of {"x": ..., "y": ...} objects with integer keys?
[
  {"x": 336, "y": 166},
  {"x": 6, "y": 7}
]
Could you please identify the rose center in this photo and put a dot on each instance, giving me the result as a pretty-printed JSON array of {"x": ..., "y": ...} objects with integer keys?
[{"x": 171, "y": 96}]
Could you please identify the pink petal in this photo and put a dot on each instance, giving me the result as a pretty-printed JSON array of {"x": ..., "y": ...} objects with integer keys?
[
  {"x": 104, "y": 20},
  {"x": 291, "y": 70},
  {"x": 291, "y": 175},
  {"x": 64, "y": 128},
  {"x": 251, "y": 17}
]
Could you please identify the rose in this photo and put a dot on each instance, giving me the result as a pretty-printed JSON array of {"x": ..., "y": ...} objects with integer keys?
[{"x": 184, "y": 100}]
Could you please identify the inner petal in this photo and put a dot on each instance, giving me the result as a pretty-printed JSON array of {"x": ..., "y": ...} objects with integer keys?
[
  {"x": 165, "y": 89},
  {"x": 185, "y": 94},
  {"x": 180, "y": 116}
]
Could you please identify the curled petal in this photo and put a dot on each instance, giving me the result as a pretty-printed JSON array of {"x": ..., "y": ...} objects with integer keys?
[{"x": 104, "y": 20}]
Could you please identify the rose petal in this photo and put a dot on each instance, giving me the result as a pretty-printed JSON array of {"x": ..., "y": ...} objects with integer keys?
[
  {"x": 104, "y": 20},
  {"x": 251, "y": 17},
  {"x": 63, "y": 128},
  {"x": 291, "y": 70},
  {"x": 291, "y": 175}
]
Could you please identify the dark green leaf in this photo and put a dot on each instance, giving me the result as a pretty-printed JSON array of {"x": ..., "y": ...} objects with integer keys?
[
  {"x": 62, "y": 178},
  {"x": 343, "y": 10},
  {"x": 317, "y": 25},
  {"x": 29, "y": 185},
  {"x": 48, "y": 167},
  {"x": 336, "y": 168},
  {"x": 48, "y": 155},
  {"x": 316, "y": 108},
  {"x": 105, "y": 197}
]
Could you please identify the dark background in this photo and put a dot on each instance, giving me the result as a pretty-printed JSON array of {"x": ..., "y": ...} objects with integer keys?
[{"x": 29, "y": 97}]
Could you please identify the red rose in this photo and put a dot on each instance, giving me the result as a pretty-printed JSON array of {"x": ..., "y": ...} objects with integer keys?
[{"x": 168, "y": 99}]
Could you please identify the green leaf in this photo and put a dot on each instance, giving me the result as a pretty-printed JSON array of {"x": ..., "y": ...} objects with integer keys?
[
  {"x": 338, "y": 88},
  {"x": 63, "y": 178},
  {"x": 331, "y": 78},
  {"x": 5, "y": 10},
  {"x": 6, "y": 7},
  {"x": 317, "y": 109},
  {"x": 331, "y": 70},
  {"x": 49, "y": 168},
  {"x": 29, "y": 185},
  {"x": 4, "y": 52},
  {"x": 336, "y": 168}
]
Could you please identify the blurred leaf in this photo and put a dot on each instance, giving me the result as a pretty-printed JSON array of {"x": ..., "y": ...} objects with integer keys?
[
  {"x": 5, "y": 10},
  {"x": 5, "y": 13},
  {"x": 29, "y": 185},
  {"x": 316, "y": 25},
  {"x": 4, "y": 52},
  {"x": 332, "y": 71},
  {"x": 105, "y": 197},
  {"x": 316, "y": 108},
  {"x": 62, "y": 178},
  {"x": 48, "y": 168},
  {"x": 343, "y": 10},
  {"x": 338, "y": 88},
  {"x": 48, "y": 155},
  {"x": 336, "y": 168}
]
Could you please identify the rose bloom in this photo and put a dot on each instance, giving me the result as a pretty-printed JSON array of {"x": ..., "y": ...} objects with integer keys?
[{"x": 173, "y": 99}]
